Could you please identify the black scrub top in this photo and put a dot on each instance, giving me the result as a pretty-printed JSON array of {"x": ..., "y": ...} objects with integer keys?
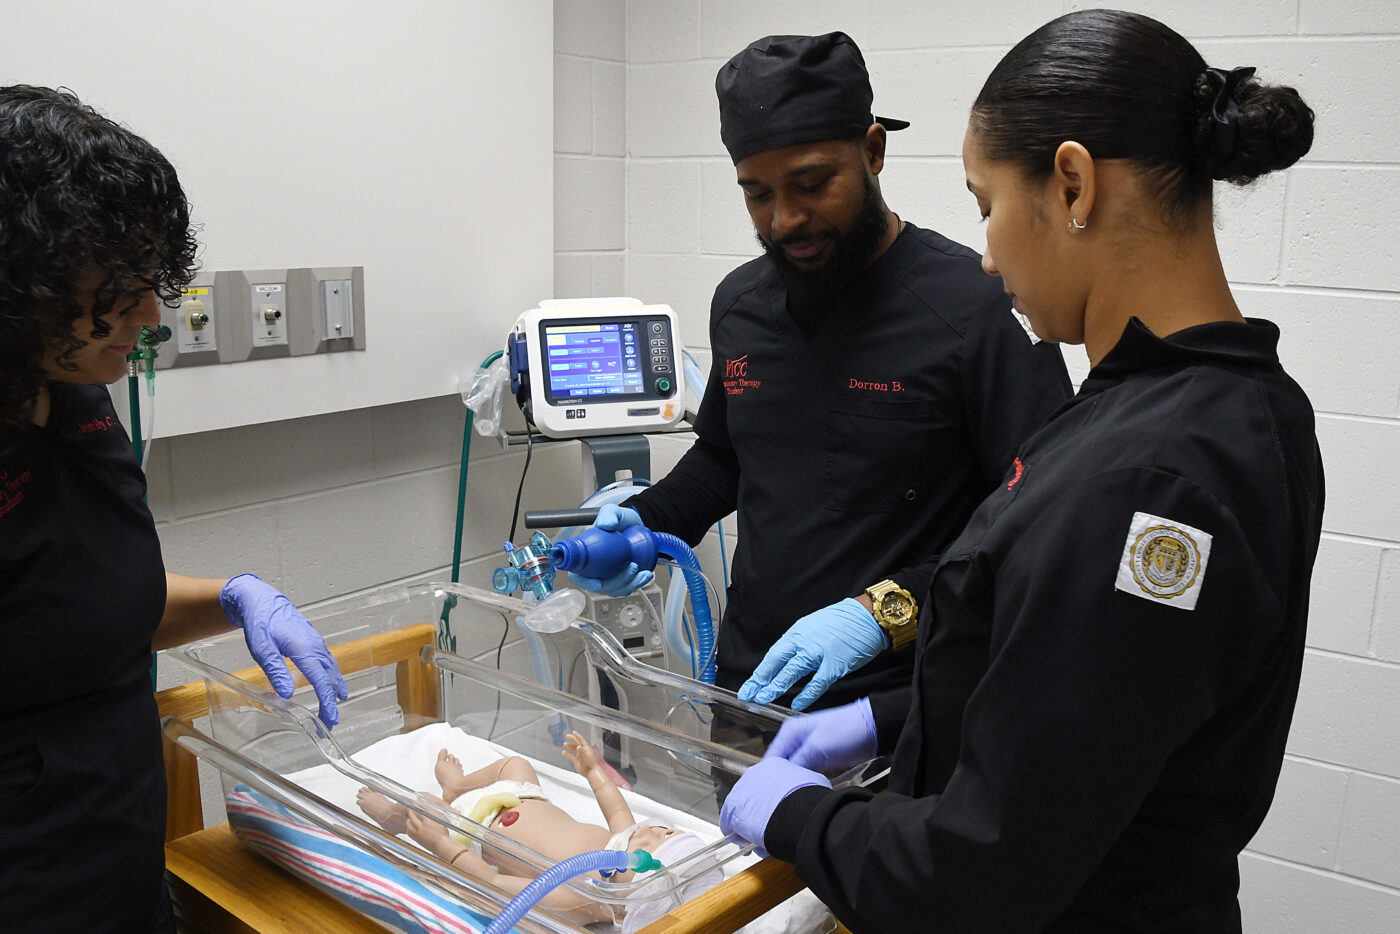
[
  {"x": 1104, "y": 686},
  {"x": 854, "y": 443},
  {"x": 82, "y": 590}
]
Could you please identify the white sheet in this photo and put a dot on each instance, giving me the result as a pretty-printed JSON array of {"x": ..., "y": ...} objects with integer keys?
[{"x": 409, "y": 758}]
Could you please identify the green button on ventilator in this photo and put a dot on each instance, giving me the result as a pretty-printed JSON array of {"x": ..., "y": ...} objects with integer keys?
[{"x": 663, "y": 385}]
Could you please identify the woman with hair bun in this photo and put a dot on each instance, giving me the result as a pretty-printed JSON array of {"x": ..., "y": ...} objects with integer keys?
[{"x": 1107, "y": 670}]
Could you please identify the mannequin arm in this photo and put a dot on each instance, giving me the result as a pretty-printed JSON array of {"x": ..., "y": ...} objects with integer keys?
[{"x": 610, "y": 800}]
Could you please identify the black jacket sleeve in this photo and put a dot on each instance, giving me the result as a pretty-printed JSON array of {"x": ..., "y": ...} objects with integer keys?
[
  {"x": 1088, "y": 692},
  {"x": 890, "y": 709},
  {"x": 703, "y": 487}
]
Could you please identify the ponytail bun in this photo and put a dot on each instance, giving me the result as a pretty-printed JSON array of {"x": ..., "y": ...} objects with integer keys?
[{"x": 1273, "y": 129}]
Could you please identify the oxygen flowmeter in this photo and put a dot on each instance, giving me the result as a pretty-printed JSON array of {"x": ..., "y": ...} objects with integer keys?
[{"x": 598, "y": 367}]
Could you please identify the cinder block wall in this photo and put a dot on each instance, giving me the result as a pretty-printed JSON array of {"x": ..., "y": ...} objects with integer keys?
[
  {"x": 1314, "y": 249},
  {"x": 590, "y": 148},
  {"x": 338, "y": 504},
  {"x": 595, "y": 180}
]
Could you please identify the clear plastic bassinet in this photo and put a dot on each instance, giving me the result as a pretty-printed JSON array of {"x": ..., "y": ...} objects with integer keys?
[{"x": 513, "y": 692}]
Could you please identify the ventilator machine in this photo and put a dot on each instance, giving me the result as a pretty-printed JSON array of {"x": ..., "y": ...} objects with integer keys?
[
  {"x": 608, "y": 372},
  {"x": 597, "y": 367}
]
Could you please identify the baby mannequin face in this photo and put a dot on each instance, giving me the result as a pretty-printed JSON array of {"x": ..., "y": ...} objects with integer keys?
[{"x": 649, "y": 838}]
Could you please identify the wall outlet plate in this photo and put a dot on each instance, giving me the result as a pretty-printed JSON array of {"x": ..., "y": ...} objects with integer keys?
[
  {"x": 194, "y": 326},
  {"x": 255, "y": 314},
  {"x": 334, "y": 297}
]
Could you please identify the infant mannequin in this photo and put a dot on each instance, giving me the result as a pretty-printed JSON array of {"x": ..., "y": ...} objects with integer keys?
[{"x": 506, "y": 796}]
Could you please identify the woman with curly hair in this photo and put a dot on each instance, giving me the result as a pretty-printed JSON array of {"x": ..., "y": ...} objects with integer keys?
[{"x": 94, "y": 235}]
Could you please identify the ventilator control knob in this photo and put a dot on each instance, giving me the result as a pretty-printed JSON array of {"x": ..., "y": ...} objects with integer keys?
[{"x": 630, "y": 616}]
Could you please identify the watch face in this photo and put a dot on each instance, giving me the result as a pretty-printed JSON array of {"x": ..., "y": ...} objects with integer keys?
[{"x": 897, "y": 608}]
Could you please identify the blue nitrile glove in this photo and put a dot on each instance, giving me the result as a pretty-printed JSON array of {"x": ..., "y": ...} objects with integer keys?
[
  {"x": 613, "y": 518},
  {"x": 828, "y": 740},
  {"x": 274, "y": 627},
  {"x": 758, "y": 793},
  {"x": 833, "y": 641}
]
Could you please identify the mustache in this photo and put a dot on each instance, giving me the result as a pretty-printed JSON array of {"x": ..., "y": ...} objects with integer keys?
[{"x": 798, "y": 239}]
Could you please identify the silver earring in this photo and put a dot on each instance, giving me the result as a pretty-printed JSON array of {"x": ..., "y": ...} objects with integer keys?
[{"x": 1073, "y": 224}]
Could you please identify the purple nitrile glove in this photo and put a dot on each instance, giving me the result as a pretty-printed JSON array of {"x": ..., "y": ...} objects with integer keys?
[
  {"x": 827, "y": 740},
  {"x": 758, "y": 793},
  {"x": 833, "y": 641},
  {"x": 274, "y": 627},
  {"x": 613, "y": 518}
]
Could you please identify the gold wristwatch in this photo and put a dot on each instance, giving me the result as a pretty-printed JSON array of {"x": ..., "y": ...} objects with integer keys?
[{"x": 896, "y": 612}]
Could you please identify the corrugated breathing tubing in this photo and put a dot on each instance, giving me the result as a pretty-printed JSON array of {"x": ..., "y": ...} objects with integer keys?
[
  {"x": 674, "y": 623},
  {"x": 680, "y": 552},
  {"x": 602, "y": 554},
  {"x": 561, "y": 872}
]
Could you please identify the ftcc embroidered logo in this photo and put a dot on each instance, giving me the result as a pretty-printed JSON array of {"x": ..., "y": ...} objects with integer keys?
[
  {"x": 12, "y": 491},
  {"x": 97, "y": 424},
  {"x": 736, "y": 376},
  {"x": 1163, "y": 561}
]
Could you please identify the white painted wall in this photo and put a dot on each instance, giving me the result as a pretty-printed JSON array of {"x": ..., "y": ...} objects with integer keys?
[
  {"x": 1316, "y": 249},
  {"x": 340, "y": 503},
  {"x": 412, "y": 139},
  {"x": 415, "y": 140}
]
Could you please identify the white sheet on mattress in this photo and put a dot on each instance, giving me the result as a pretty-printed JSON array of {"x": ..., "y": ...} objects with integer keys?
[{"x": 408, "y": 759}]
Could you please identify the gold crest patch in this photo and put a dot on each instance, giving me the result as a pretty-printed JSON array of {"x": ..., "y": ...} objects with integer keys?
[{"x": 1163, "y": 561}]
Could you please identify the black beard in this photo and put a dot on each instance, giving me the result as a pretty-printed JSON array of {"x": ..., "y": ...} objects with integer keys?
[{"x": 853, "y": 251}]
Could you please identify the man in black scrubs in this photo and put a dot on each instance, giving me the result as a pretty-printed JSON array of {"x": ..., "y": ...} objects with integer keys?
[{"x": 869, "y": 384}]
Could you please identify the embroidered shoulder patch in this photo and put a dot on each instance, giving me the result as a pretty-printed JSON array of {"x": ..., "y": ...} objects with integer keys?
[{"x": 1163, "y": 561}]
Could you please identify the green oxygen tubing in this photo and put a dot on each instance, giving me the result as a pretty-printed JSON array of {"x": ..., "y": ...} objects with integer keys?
[
  {"x": 143, "y": 356},
  {"x": 447, "y": 641}
]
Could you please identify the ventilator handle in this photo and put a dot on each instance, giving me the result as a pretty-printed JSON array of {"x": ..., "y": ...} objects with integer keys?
[{"x": 559, "y": 518}]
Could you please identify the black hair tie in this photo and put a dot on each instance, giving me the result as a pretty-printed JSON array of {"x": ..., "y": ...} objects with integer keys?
[{"x": 1224, "y": 110}]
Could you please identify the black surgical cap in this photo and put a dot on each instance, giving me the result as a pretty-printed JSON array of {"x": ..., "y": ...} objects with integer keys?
[{"x": 786, "y": 90}]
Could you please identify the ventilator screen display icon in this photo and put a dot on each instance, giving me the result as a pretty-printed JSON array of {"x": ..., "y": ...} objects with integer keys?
[{"x": 595, "y": 360}]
